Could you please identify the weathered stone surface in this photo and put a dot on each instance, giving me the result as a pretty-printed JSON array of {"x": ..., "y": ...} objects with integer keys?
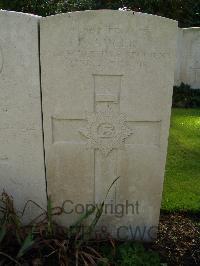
[
  {"x": 21, "y": 146},
  {"x": 188, "y": 68},
  {"x": 107, "y": 79}
]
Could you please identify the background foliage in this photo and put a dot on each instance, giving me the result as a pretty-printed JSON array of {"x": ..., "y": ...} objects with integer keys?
[
  {"x": 186, "y": 97},
  {"x": 187, "y": 12}
]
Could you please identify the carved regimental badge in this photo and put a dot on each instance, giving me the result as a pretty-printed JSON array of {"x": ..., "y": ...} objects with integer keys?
[{"x": 106, "y": 131}]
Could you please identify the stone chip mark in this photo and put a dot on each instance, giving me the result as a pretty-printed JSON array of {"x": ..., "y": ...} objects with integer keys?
[{"x": 4, "y": 159}]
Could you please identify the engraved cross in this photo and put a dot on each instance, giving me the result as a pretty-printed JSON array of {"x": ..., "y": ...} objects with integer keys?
[{"x": 105, "y": 131}]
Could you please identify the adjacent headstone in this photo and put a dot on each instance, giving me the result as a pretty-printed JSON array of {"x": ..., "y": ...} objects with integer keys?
[
  {"x": 107, "y": 79},
  {"x": 22, "y": 172},
  {"x": 177, "y": 75},
  {"x": 189, "y": 57}
]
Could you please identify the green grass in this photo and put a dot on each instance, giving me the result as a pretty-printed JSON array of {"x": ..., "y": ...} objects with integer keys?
[
  {"x": 130, "y": 254},
  {"x": 182, "y": 177}
]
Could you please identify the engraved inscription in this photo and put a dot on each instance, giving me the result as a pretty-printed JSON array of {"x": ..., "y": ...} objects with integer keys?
[
  {"x": 104, "y": 39},
  {"x": 195, "y": 77}
]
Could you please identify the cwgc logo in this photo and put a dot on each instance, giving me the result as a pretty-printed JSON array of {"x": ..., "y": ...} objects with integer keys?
[{"x": 106, "y": 131}]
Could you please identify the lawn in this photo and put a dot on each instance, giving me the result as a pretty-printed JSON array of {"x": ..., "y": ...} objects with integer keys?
[{"x": 182, "y": 176}]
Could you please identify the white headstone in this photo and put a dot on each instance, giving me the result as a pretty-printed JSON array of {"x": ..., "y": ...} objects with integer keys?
[
  {"x": 21, "y": 146},
  {"x": 179, "y": 58},
  {"x": 107, "y": 79},
  {"x": 190, "y": 57}
]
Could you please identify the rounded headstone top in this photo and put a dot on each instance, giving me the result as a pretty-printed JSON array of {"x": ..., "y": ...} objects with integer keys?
[
  {"x": 109, "y": 12},
  {"x": 17, "y": 14}
]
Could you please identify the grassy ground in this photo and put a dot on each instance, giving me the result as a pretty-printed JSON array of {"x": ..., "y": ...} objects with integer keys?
[{"x": 182, "y": 178}]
